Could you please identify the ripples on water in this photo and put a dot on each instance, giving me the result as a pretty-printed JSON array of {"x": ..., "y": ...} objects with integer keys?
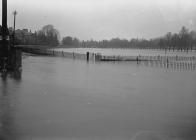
[{"x": 58, "y": 98}]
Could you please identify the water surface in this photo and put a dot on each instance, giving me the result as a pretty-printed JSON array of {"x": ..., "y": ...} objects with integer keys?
[
  {"x": 65, "y": 99},
  {"x": 130, "y": 52}
]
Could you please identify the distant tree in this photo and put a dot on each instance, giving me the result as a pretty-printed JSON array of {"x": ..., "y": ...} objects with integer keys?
[
  {"x": 161, "y": 43},
  {"x": 67, "y": 40},
  {"x": 175, "y": 41},
  {"x": 76, "y": 42},
  {"x": 48, "y": 35},
  {"x": 168, "y": 39},
  {"x": 50, "y": 30},
  {"x": 193, "y": 39},
  {"x": 184, "y": 38}
]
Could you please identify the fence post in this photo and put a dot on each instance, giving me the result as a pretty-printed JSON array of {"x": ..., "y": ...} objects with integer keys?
[
  {"x": 137, "y": 59},
  {"x": 87, "y": 56}
]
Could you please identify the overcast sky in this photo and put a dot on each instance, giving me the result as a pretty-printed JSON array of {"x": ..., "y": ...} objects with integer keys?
[{"x": 105, "y": 19}]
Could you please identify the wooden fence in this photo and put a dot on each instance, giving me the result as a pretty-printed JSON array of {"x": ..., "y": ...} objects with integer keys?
[
  {"x": 100, "y": 57},
  {"x": 186, "y": 62}
]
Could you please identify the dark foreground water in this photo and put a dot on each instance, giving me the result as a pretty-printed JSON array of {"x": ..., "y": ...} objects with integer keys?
[{"x": 64, "y": 99}]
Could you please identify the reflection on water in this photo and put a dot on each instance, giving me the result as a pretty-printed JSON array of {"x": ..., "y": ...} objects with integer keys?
[
  {"x": 64, "y": 99},
  {"x": 174, "y": 66},
  {"x": 16, "y": 75},
  {"x": 7, "y": 105}
]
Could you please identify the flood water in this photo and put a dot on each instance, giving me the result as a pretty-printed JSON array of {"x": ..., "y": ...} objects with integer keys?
[
  {"x": 63, "y": 99},
  {"x": 130, "y": 52}
]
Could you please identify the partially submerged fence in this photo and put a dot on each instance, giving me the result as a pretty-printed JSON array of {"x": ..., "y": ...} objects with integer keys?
[
  {"x": 49, "y": 52},
  {"x": 100, "y": 57},
  {"x": 166, "y": 61}
]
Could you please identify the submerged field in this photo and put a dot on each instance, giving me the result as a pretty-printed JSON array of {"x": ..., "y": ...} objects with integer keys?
[
  {"x": 130, "y": 52},
  {"x": 65, "y": 99}
]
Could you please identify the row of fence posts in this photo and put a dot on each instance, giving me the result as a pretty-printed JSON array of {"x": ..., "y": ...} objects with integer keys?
[
  {"x": 99, "y": 57},
  {"x": 170, "y": 65},
  {"x": 88, "y": 56},
  {"x": 146, "y": 58},
  {"x": 179, "y": 50}
]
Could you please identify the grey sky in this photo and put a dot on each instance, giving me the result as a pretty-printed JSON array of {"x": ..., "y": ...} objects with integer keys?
[{"x": 105, "y": 19}]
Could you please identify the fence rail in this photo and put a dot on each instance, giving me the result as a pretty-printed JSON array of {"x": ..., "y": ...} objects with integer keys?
[
  {"x": 166, "y": 61},
  {"x": 100, "y": 57}
]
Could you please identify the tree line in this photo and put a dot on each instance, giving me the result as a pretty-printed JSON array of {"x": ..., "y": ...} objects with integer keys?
[
  {"x": 183, "y": 40},
  {"x": 48, "y": 35}
]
